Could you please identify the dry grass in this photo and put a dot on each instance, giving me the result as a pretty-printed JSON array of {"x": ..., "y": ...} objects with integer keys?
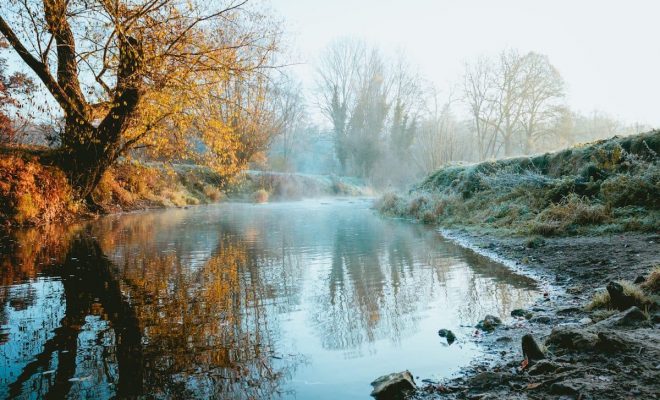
[
  {"x": 601, "y": 300},
  {"x": 572, "y": 211},
  {"x": 131, "y": 185},
  {"x": 652, "y": 283}
]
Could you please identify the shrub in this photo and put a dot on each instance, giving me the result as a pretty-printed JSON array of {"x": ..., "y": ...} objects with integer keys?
[
  {"x": 625, "y": 190},
  {"x": 32, "y": 193},
  {"x": 652, "y": 283},
  {"x": 572, "y": 212},
  {"x": 212, "y": 193},
  {"x": 260, "y": 196}
]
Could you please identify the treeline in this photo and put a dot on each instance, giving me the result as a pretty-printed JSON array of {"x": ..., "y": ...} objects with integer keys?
[{"x": 388, "y": 124}]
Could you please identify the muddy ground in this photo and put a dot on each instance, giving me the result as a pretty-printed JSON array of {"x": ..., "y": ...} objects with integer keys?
[{"x": 588, "y": 354}]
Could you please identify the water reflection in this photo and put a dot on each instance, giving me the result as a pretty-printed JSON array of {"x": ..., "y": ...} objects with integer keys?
[{"x": 236, "y": 301}]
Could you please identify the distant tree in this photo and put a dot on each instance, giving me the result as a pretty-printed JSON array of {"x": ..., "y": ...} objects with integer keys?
[
  {"x": 478, "y": 91},
  {"x": 542, "y": 94},
  {"x": 132, "y": 73},
  {"x": 512, "y": 101},
  {"x": 337, "y": 76},
  {"x": 291, "y": 118},
  {"x": 436, "y": 140},
  {"x": 406, "y": 94},
  {"x": 366, "y": 126}
]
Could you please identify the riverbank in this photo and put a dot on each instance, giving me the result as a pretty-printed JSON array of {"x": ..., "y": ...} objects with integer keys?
[
  {"x": 585, "y": 222},
  {"x": 33, "y": 193},
  {"x": 591, "y": 351},
  {"x": 609, "y": 186}
]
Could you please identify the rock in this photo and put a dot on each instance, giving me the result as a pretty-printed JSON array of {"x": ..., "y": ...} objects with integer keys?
[
  {"x": 449, "y": 335},
  {"x": 566, "y": 387},
  {"x": 520, "y": 313},
  {"x": 618, "y": 299},
  {"x": 585, "y": 321},
  {"x": 640, "y": 279},
  {"x": 393, "y": 386},
  {"x": 568, "y": 310},
  {"x": 655, "y": 318},
  {"x": 630, "y": 317},
  {"x": 489, "y": 379},
  {"x": 541, "y": 319},
  {"x": 610, "y": 342},
  {"x": 489, "y": 323},
  {"x": 543, "y": 367},
  {"x": 531, "y": 349},
  {"x": 572, "y": 338}
]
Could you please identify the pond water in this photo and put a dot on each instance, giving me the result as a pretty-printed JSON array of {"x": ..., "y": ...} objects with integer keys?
[{"x": 307, "y": 300}]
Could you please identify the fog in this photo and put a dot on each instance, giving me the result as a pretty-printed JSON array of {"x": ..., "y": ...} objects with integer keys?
[
  {"x": 393, "y": 90},
  {"x": 607, "y": 51}
]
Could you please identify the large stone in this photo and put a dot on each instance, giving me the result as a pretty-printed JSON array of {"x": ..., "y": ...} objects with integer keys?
[
  {"x": 565, "y": 388},
  {"x": 572, "y": 338},
  {"x": 489, "y": 323},
  {"x": 449, "y": 335},
  {"x": 488, "y": 379},
  {"x": 394, "y": 386},
  {"x": 531, "y": 349},
  {"x": 618, "y": 298},
  {"x": 543, "y": 367},
  {"x": 611, "y": 342},
  {"x": 630, "y": 317},
  {"x": 520, "y": 313}
]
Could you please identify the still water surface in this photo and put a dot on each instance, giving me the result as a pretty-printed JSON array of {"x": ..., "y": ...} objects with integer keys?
[{"x": 307, "y": 300}]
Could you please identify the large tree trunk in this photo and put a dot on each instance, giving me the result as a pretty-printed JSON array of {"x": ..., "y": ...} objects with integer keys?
[
  {"x": 87, "y": 149},
  {"x": 84, "y": 165}
]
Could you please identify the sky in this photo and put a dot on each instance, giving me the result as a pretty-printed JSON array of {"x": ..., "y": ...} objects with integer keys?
[{"x": 607, "y": 51}]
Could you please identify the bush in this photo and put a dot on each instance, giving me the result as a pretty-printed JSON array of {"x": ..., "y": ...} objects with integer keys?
[
  {"x": 627, "y": 190},
  {"x": 260, "y": 196},
  {"x": 32, "y": 193},
  {"x": 652, "y": 283},
  {"x": 573, "y": 211},
  {"x": 213, "y": 193}
]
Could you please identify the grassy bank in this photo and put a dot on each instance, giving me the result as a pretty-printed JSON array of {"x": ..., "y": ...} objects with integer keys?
[
  {"x": 261, "y": 186},
  {"x": 32, "y": 193},
  {"x": 607, "y": 186}
]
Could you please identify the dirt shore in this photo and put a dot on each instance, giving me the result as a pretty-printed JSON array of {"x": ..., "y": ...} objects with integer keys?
[{"x": 596, "y": 354}]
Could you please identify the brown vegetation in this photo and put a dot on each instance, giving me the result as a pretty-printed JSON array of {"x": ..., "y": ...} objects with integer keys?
[{"x": 32, "y": 193}]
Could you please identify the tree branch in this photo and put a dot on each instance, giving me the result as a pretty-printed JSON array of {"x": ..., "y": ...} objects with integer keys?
[{"x": 40, "y": 69}]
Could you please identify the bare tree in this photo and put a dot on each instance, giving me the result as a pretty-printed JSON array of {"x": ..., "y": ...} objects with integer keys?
[
  {"x": 291, "y": 117},
  {"x": 436, "y": 140},
  {"x": 478, "y": 88},
  {"x": 337, "y": 76},
  {"x": 543, "y": 90},
  {"x": 512, "y": 101},
  {"x": 406, "y": 95}
]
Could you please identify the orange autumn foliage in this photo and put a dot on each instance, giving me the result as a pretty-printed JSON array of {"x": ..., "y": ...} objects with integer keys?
[{"x": 32, "y": 193}]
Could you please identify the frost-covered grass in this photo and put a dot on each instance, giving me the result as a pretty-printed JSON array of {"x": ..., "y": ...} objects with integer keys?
[{"x": 607, "y": 186}]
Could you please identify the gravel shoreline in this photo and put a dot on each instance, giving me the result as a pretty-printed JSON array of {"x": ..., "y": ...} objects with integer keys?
[{"x": 616, "y": 358}]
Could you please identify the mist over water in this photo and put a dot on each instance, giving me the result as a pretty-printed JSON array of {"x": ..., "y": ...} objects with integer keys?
[{"x": 312, "y": 299}]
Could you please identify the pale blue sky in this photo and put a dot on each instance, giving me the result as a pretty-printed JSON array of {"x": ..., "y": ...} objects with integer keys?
[{"x": 607, "y": 51}]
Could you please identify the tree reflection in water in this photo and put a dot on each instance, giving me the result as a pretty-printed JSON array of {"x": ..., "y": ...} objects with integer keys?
[{"x": 229, "y": 301}]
